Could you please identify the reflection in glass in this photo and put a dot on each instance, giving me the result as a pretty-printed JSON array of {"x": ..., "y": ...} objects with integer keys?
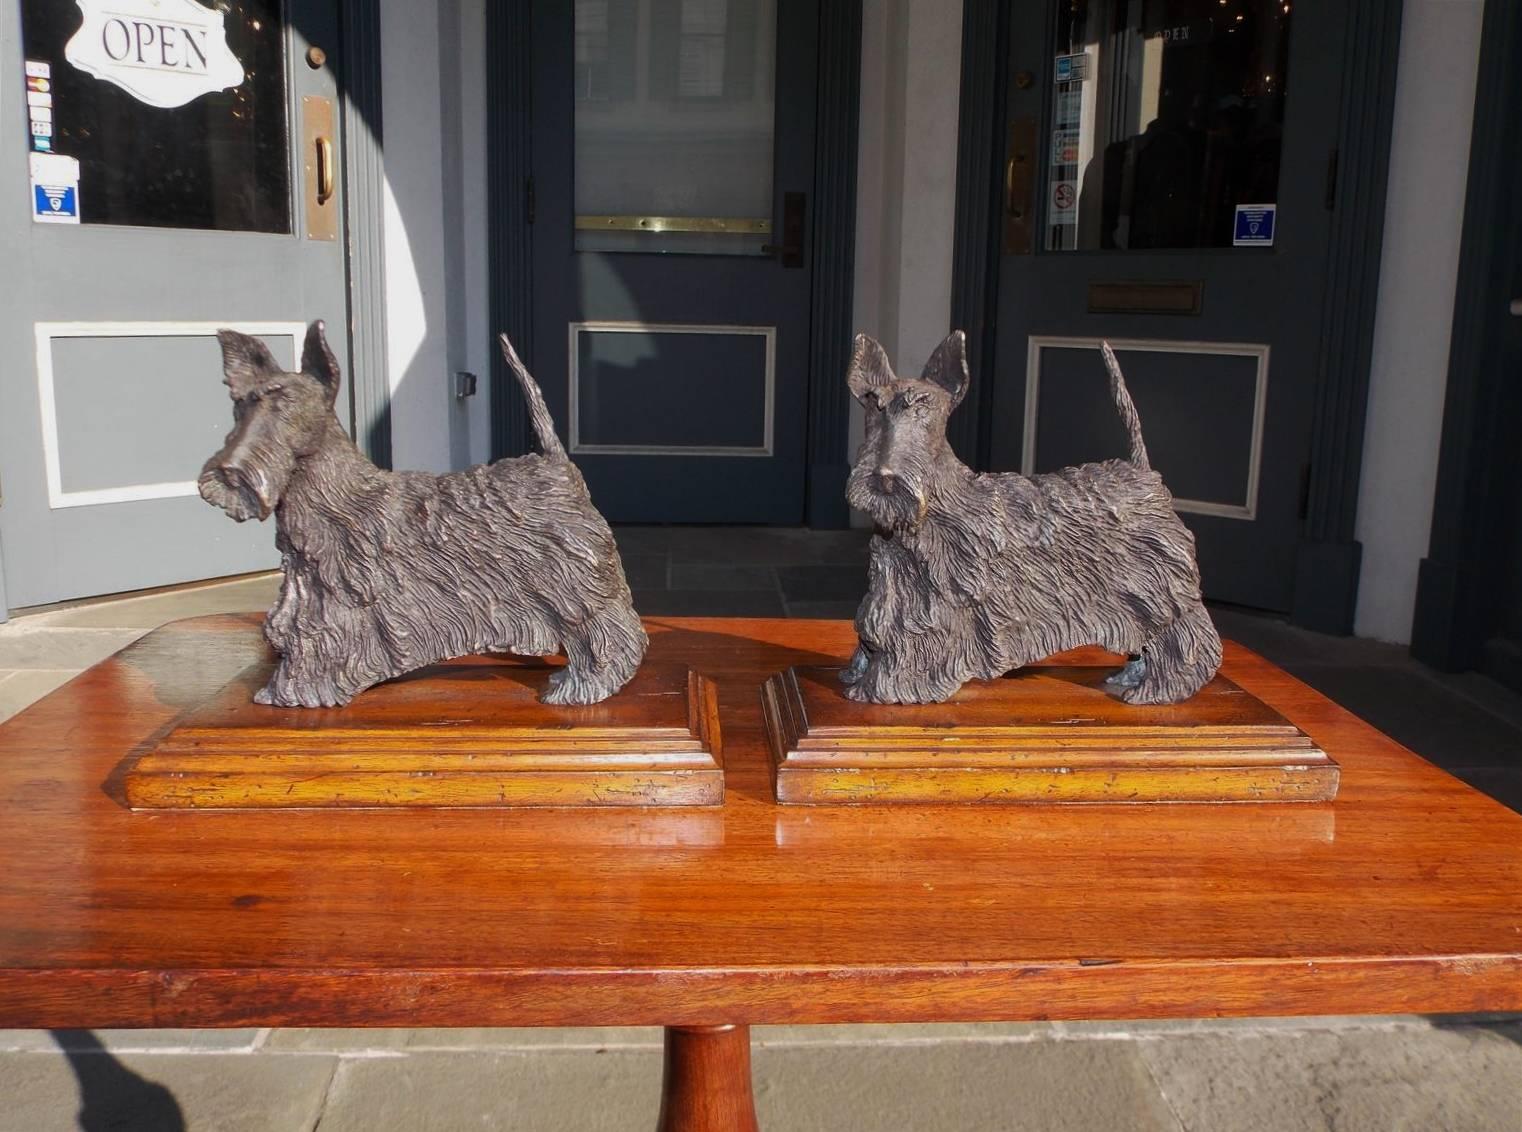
[
  {"x": 219, "y": 162},
  {"x": 1172, "y": 117},
  {"x": 674, "y": 122}
]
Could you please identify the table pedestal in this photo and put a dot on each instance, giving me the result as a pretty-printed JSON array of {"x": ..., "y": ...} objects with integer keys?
[{"x": 706, "y": 1084}]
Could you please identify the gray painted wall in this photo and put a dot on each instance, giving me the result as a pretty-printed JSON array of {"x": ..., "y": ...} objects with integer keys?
[
  {"x": 433, "y": 60},
  {"x": 1424, "y": 217},
  {"x": 911, "y": 66}
]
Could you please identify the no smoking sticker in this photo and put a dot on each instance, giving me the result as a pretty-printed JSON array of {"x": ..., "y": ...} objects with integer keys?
[{"x": 1064, "y": 202}]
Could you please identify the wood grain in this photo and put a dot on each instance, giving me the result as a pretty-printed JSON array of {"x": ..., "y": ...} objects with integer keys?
[
  {"x": 1043, "y": 736},
  {"x": 1400, "y": 896},
  {"x": 471, "y": 732},
  {"x": 706, "y": 1084}
]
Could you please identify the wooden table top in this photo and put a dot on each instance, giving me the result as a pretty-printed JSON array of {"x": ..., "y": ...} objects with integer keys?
[{"x": 1405, "y": 894}]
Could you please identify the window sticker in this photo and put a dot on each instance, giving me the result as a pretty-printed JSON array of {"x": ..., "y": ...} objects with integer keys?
[
  {"x": 39, "y": 104},
  {"x": 55, "y": 188},
  {"x": 165, "y": 53},
  {"x": 1071, "y": 68},
  {"x": 1255, "y": 225},
  {"x": 1064, "y": 209}
]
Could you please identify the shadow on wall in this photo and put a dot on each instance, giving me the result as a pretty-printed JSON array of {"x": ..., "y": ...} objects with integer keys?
[{"x": 112, "y": 1098}]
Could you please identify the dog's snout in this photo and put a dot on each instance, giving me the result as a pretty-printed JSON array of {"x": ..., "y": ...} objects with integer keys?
[
  {"x": 238, "y": 489},
  {"x": 887, "y": 479},
  {"x": 234, "y": 477}
]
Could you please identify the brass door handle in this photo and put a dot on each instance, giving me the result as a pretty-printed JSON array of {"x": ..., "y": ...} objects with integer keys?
[
  {"x": 1019, "y": 186},
  {"x": 326, "y": 173},
  {"x": 1017, "y": 183}
]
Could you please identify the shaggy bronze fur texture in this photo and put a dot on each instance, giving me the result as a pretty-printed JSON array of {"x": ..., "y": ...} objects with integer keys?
[
  {"x": 974, "y": 575},
  {"x": 386, "y": 572}
]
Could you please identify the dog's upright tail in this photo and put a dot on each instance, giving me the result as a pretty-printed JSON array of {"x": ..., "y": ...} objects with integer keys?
[
  {"x": 1125, "y": 407},
  {"x": 538, "y": 412}
]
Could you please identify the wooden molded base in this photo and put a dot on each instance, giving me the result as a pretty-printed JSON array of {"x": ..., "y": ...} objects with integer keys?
[
  {"x": 470, "y": 732},
  {"x": 1039, "y": 735}
]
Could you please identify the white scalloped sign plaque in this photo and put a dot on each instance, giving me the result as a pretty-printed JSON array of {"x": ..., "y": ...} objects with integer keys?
[{"x": 162, "y": 52}]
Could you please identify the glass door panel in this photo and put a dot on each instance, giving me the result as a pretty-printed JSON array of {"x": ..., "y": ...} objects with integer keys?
[
  {"x": 674, "y": 125},
  {"x": 1167, "y": 123}
]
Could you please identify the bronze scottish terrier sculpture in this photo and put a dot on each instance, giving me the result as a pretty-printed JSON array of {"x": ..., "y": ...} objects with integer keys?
[
  {"x": 386, "y": 572},
  {"x": 972, "y": 575}
]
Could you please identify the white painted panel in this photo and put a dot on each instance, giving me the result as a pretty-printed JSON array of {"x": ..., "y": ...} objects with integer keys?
[{"x": 47, "y": 332}]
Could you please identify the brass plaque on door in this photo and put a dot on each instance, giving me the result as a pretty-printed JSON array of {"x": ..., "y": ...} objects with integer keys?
[
  {"x": 1146, "y": 298},
  {"x": 319, "y": 167}
]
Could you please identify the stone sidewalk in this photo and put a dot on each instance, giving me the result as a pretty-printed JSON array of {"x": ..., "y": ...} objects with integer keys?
[{"x": 1342, "y": 1074}]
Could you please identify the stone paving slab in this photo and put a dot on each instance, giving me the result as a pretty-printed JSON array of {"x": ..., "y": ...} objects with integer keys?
[
  {"x": 30, "y": 643},
  {"x": 723, "y": 576},
  {"x": 1465, "y": 1079},
  {"x": 151, "y": 610},
  {"x": 824, "y": 610},
  {"x": 447, "y": 1092},
  {"x": 346, "y": 1040},
  {"x": 137, "y": 1041},
  {"x": 1053, "y": 1087},
  {"x": 708, "y": 603},
  {"x": 148, "y": 1092},
  {"x": 960, "y": 1087},
  {"x": 20, "y": 688}
]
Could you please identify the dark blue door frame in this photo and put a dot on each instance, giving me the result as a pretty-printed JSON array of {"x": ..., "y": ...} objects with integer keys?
[
  {"x": 1328, "y": 556},
  {"x": 831, "y": 233}
]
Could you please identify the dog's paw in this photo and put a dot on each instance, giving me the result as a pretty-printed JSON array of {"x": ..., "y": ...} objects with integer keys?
[
  {"x": 857, "y": 668},
  {"x": 1130, "y": 676},
  {"x": 566, "y": 690},
  {"x": 856, "y": 692}
]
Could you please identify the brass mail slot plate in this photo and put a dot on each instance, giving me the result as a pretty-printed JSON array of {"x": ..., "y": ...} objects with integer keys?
[
  {"x": 745, "y": 225},
  {"x": 1146, "y": 298}
]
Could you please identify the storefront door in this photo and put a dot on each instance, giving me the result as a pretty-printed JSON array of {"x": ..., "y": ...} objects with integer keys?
[
  {"x": 1170, "y": 176},
  {"x": 672, "y": 165},
  {"x": 166, "y": 168}
]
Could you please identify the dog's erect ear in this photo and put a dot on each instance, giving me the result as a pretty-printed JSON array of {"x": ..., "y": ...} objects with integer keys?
[
  {"x": 246, "y": 362},
  {"x": 317, "y": 360},
  {"x": 947, "y": 367},
  {"x": 869, "y": 369}
]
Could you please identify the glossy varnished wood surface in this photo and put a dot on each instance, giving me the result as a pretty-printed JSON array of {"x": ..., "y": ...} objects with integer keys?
[
  {"x": 706, "y": 1080},
  {"x": 1048, "y": 735},
  {"x": 1405, "y": 894},
  {"x": 471, "y": 732}
]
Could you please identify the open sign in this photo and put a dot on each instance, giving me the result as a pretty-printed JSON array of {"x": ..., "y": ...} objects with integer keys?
[{"x": 162, "y": 52}]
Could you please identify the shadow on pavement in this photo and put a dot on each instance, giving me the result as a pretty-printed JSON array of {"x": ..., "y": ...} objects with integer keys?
[{"x": 112, "y": 1098}]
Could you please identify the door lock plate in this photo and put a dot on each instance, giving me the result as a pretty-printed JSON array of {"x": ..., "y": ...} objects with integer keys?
[
  {"x": 1019, "y": 186},
  {"x": 319, "y": 167}
]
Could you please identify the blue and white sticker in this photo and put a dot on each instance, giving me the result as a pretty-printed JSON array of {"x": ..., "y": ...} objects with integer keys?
[
  {"x": 1255, "y": 226},
  {"x": 1071, "y": 68},
  {"x": 55, "y": 188}
]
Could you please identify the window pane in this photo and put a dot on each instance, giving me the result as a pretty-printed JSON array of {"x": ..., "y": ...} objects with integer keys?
[
  {"x": 219, "y": 161},
  {"x": 1167, "y": 115},
  {"x": 674, "y": 119}
]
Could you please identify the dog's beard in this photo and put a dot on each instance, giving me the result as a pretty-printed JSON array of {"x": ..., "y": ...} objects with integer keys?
[
  {"x": 901, "y": 508},
  {"x": 248, "y": 489}
]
